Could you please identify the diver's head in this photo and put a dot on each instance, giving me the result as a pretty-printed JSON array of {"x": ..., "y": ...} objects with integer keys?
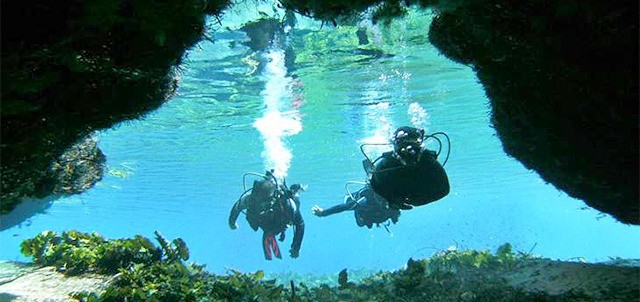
[
  {"x": 407, "y": 143},
  {"x": 263, "y": 189},
  {"x": 297, "y": 187}
]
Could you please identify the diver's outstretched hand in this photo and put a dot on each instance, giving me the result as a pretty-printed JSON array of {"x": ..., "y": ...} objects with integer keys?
[
  {"x": 233, "y": 226},
  {"x": 317, "y": 210},
  {"x": 294, "y": 253}
]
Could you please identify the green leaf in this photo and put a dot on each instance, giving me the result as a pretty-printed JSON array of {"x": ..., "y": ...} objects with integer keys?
[
  {"x": 258, "y": 275},
  {"x": 182, "y": 249}
]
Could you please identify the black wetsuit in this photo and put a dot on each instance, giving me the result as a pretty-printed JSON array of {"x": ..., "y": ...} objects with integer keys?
[
  {"x": 418, "y": 184},
  {"x": 368, "y": 208},
  {"x": 272, "y": 219}
]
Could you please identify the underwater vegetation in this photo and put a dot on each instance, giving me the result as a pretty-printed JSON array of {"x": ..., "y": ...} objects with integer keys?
[{"x": 148, "y": 272}]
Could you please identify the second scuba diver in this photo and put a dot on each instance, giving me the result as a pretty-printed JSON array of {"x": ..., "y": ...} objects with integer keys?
[
  {"x": 368, "y": 208},
  {"x": 272, "y": 208},
  {"x": 410, "y": 175}
]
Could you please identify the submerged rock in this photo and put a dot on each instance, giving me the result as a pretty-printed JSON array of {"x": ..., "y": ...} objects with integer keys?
[
  {"x": 10, "y": 270},
  {"x": 78, "y": 168},
  {"x": 597, "y": 281},
  {"x": 46, "y": 284}
]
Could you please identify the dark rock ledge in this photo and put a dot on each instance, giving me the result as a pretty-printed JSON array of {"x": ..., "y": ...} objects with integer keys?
[{"x": 72, "y": 67}]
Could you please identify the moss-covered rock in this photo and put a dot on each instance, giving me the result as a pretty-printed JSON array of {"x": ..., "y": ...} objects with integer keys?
[{"x": 80, "y": 167}]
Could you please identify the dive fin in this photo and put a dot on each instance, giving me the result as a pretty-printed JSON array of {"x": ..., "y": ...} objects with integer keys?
[
  {"x": 266, "y": 246},
  {"x": 269, "y": 244}
]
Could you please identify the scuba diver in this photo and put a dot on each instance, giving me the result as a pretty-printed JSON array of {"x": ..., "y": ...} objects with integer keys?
[
  {"x": 272, "y": 207},
  {"x": 410, "y": 175},
  {"x": 368, "y": 208}
]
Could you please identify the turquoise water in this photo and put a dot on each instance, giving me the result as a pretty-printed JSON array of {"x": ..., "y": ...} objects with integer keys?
[{"x": 179, "y": 170}]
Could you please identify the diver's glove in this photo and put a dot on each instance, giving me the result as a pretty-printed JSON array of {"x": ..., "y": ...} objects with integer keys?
[
  {"x": 233, "y": 226},
  {"x": 294, "y": 253},
  {"x": 316, "y": 210}
]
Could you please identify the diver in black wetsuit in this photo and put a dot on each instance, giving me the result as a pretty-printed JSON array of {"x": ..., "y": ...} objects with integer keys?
[
  {"x": 410, "y": 175},
  {"x": 272, "y": 208},
  {"x": 368, "y": 208}
]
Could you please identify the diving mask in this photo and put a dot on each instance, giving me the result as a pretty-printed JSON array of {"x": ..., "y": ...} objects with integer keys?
[{"x": 407, "y": 143}]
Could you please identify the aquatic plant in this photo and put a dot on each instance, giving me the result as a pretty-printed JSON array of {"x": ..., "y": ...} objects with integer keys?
[
  {"x": 74, "y": 252},
  {"x": 145, "y": 272},
  {"x": 316, "y": 280},
  {"x": 434, "y": 279}
]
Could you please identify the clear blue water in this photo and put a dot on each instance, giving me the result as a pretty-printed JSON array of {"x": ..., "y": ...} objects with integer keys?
[{"x": 179, "y": 170}]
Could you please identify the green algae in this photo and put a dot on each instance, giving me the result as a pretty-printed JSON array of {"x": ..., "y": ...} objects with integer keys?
[{"x": 149, "y": 272}]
